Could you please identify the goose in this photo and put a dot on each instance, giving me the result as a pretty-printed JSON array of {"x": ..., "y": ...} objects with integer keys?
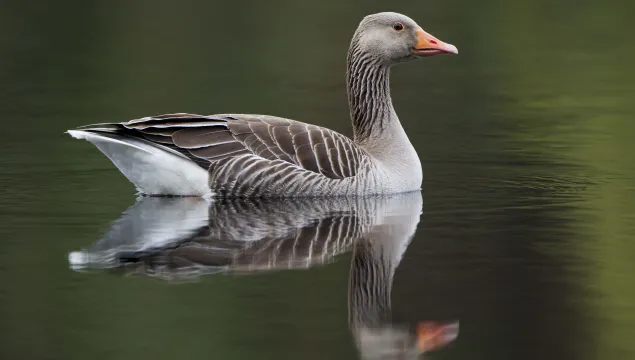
[
  {"x": 178, "y": 239},
  {"x": 247, "y": 155}
]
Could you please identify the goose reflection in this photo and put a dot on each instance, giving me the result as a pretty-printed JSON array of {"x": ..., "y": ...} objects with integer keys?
[{"x": 185, "y": 238}]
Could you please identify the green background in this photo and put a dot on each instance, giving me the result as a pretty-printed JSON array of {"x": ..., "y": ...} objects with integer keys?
[{"x": 526, "y": 139}]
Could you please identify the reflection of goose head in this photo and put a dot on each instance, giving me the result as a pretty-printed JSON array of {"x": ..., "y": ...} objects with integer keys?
[
  {"x": 376, "y": 256},
  {"x": 180, "y": 238}
]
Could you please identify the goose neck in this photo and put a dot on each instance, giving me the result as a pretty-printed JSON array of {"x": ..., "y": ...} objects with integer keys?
[{"x": 368, "y": 90}]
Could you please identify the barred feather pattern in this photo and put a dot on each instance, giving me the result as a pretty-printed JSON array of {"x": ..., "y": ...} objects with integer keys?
[
  {"x": 368, "y": 86},
  {"x": 259, "y": 155},
  {"x": 250, "y": 155}
]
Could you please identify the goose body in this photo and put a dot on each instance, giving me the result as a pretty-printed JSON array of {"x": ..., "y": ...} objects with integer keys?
[{"x": 246, "y": 155}]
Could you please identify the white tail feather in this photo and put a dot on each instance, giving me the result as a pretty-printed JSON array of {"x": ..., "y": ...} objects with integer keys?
[{"x": 153, "y": 169}]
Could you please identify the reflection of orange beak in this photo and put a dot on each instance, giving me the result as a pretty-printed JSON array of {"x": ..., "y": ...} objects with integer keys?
[
  {"x": 428, "y": 45},
  {"x": 432, "y": 335}
]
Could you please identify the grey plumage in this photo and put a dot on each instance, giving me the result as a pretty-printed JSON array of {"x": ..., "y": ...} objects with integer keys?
[
  {"x": 368, "y": 88},
  {"x": 266, "y": 156},
  {"x": 253, "y": 155}
]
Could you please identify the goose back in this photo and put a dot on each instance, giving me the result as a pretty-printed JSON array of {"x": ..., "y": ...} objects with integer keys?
[{"x": 257, "y": 155}]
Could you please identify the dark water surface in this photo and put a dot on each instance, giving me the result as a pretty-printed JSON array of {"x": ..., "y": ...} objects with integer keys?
[{"x": 526, "y": 239}]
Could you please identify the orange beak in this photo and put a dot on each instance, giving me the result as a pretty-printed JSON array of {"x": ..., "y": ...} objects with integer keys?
[
  {"x": 432, "y": 335},
  {"x": 428, "y": 45}
]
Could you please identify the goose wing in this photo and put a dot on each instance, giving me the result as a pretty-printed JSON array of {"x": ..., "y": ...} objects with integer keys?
[{"x": 206, "y": 139}]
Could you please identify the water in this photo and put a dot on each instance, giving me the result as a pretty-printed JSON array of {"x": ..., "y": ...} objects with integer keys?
[{"x": 525, "y": 240}]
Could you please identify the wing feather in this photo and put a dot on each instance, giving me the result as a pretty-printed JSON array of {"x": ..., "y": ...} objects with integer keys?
[
  {"x": 193, "y": 138},
  {"x": 207, "y": 139},
  {"x": 217, "y": 150}
]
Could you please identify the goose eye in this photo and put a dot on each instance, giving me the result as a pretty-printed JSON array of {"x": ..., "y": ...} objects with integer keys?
[{"x": 398, "y": 26}]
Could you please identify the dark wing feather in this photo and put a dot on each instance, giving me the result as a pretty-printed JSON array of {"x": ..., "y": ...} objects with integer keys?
[{"x": 207, "y": 139}]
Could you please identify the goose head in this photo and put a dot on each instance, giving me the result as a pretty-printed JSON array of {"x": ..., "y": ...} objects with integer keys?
[{"x": 391, "y": 38}]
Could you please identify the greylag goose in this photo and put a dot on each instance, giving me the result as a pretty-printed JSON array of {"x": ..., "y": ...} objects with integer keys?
[
  {"x": 258, "y": 155},
  {"x": 181, "y": 238}
]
